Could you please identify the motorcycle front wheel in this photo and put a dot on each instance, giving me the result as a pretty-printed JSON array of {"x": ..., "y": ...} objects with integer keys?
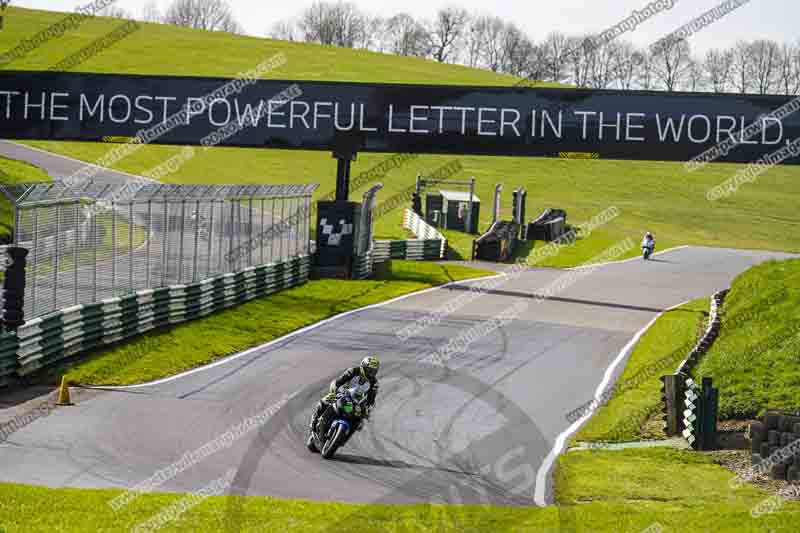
[{"x": 332, "y": 443}]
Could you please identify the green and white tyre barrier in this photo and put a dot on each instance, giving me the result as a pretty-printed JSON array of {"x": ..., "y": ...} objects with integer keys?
[
  {"x": 411, "y": 250},
  {"x": 422, "y": 230},
  {"x": 49, "y": 339}
]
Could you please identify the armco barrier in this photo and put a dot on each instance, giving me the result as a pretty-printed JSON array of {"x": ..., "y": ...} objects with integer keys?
[{"x": 48, "y": 339}]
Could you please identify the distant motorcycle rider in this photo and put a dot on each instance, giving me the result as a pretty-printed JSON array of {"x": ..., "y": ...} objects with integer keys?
[
  {"x": 362, "y": 378},
  {"x": 649, "y": 241}
]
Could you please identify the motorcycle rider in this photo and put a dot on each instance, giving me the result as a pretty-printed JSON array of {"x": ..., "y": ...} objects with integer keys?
[
  {"x": 362, "y": 379},
  {"x": 649, "y": 241}
]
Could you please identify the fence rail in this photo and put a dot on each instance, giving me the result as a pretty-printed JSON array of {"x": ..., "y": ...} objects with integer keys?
[{"x": 98, "y": 240}]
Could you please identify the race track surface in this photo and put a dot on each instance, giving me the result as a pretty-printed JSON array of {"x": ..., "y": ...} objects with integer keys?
[{"x": 474, "y": 430}]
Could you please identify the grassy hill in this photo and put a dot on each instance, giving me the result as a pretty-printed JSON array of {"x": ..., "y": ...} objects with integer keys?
[
  {"x": 754, "y": 361},
  {"x": 656, "y": 196},
  {"x": 15, "y": 172}
]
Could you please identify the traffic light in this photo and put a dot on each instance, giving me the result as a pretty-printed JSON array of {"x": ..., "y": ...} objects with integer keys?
[{"x": 14, "y": 287}]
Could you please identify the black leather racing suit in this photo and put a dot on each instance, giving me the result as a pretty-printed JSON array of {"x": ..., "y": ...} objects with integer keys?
[{"x": 354, "y": 373}]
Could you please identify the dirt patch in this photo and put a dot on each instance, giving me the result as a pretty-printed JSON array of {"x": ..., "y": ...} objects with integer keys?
[{"x": 739, "y": 462}]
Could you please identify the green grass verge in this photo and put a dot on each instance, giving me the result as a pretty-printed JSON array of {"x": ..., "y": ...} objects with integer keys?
[
  {"x": 637, "y": 393},
  {"x": 630, "y": 490},
  {"x": 171, "y": 350},
  {"x": 754, "y": 362},
  {"x": 596, "y": 491},
  {"x": 11, "y": 172}
]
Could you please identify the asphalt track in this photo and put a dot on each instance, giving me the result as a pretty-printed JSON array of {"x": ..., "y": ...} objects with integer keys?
[{"x": 477, "y": 430}]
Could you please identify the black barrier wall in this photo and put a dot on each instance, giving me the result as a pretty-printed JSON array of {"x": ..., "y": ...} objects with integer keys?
[{"x": 353, "y": 117}]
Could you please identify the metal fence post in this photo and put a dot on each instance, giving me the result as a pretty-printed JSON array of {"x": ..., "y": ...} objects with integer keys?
[
  {"x": 35, "y": 261},
  {"x": 113, "y": 248},
  {"x": 130, "y": 246},
  {"x": 307, "y": 223},
  {"x": 230, "y": 267},
  {"x": 95, "y": 245},
  {"x": 250, "y": 233},
  {"x": 149, "y": 237},
  {"x": 164, "y": 242},
  {"x": 57, "y": 241},
  {"x": 272, "y": 233},
  {"x": 221, "y": 235},
  {"x": 210, "y": 237},
  {"x": 283, "y": 217},
  {"x": 75, "y": 255},
  {"x": 181, "y": 231},
  {"x": 196, "y": 237},
  {"x": 261, "y": 234}
]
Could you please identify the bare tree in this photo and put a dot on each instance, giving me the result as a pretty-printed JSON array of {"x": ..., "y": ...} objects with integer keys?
[
  {"x": 150, "y": 12},
  {"x": 578, "y": 64},
  {"x": 517, "y": 51},
  {"x": 211, "y": 15},
  {"x": 741, "y": 70},
  {"x": 788, "y": 77},
  {"x": 626, "y": 64},
  {"x": 601, "y": 65},
  {"x": 340, "y": 24},
  {"x": 407, "y": 37},
  {"x": 671, "y": 61},
  {"x": 445, "y": 32},
  {"x": 764, "y": 64},
  {"x": 718, "y": 67},
  {"x": 695, "y": 76},
  {"x": 556, "y": 46},
  {"x": 283, "y": 30},
  {"x": 475, "y": 37},
  {"x": 646, "y": 71},
  {"x": 372, "y": 36},
  {"x": 494, "y": 46}
]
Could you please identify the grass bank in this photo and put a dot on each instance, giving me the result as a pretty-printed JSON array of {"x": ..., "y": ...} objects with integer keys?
[
  {"x": 171, "y": 350},
  {"x": 13, "y": 172},
  {"x": 754, "y": 362}
]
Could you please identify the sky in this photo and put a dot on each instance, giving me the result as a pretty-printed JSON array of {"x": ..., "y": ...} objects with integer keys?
[{"x": 757, "y": 19}]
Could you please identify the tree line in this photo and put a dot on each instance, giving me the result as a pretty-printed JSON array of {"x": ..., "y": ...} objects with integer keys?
[{"x": 485, "y": 41}]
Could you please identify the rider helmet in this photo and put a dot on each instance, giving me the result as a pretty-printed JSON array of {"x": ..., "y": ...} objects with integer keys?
[{"x": 370, "y": 366}]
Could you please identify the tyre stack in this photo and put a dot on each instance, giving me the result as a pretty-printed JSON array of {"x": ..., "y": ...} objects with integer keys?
[{"x": 777, "y": 433}]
